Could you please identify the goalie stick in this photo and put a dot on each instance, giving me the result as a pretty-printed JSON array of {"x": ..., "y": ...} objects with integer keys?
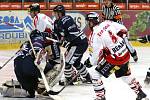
[{"x": 8, "y": 60}]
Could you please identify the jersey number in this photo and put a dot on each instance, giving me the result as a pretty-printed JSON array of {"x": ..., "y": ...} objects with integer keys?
[{"x": 112, "y": 36}]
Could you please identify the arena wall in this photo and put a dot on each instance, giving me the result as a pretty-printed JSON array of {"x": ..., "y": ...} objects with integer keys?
[{"x": 137, "y": 22}]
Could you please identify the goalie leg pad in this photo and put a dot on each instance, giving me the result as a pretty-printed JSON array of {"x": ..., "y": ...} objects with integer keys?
[
  {"x": 13, "y": 89},
  {"x": 53, "y": 75}
]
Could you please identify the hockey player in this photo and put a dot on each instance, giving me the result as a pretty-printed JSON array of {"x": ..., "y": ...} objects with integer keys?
[
  {"x": 146, "y": 39},
  {"x": 111, "y": 11},
  {"x": 27, "y": 64},
  {"x": 110, "y": 55},
  {"x": 43, "y": 23},
  {"x": 25, "y": 69},
  {"x": 74, "y": 40}
]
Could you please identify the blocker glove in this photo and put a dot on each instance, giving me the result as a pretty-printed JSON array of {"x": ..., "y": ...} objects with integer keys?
[{"x": 87, "y": 63}]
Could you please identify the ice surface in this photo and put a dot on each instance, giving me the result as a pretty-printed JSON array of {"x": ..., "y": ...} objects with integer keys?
[{"x": 115, "y": 88}]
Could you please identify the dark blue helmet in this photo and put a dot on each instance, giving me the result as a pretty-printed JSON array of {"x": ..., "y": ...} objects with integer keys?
[
  {"x": 59, "y": 8},
  {"x": 34, "y": 7}
]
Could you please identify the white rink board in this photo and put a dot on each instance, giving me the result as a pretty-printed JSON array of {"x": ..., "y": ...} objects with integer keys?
[{"x": 115, "y": 88}]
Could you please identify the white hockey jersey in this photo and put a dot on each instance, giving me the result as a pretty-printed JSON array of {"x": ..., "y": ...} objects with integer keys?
[
  {"x": 105, "y": 43},
  {"x": 43, "y": 23}
]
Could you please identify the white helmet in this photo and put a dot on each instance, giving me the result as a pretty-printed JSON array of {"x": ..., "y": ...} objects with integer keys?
[{"x": 93, "y": 16}]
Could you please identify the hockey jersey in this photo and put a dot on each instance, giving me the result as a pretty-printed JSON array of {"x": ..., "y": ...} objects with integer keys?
[
  {"x": 43, "y": 23},
  {"x": 67, "y": 28},
  {"x": 105, "y": 43}
]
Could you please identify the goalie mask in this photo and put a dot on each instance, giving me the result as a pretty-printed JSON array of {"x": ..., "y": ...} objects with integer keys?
[{"x": 92, "y": 17}]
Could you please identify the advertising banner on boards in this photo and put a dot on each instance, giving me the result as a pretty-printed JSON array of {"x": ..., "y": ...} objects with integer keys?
[
  {"x": 9, "y": 19},
  {"x": 137, "y": 22}
]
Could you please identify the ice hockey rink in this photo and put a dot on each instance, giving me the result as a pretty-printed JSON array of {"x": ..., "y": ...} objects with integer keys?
[{"x": 115, "y": 88}]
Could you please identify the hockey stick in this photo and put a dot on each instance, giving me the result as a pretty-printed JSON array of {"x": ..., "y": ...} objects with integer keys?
[
  {"x": 51, "y": 92},
  {"x": 8, "y": 60}
]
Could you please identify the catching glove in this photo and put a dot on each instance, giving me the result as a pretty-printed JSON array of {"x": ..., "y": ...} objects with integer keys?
[{"x": 87, "y": 63}]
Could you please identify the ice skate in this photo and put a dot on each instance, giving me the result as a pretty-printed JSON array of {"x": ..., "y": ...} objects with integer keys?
[
  {"x": 147, "y": 80},
  {"x": 88, "y": 79},
  {"x": 141, "y": 95},
  {"x": 64, "y": 82}
]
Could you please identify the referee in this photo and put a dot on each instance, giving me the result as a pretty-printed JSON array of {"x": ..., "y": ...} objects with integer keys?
[{"x": 110, "y": 11}]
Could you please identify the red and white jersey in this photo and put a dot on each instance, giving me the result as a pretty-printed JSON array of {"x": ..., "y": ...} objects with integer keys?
[
  {"x": 105, "y": 43},
  {"x": 43, "y": 23}
]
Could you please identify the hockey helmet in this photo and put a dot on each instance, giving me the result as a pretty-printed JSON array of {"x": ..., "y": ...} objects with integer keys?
[
  {"x": 59, "y": 8},
  {"x": 93, "y": 16},
  {"x": 34, "y": 7}
]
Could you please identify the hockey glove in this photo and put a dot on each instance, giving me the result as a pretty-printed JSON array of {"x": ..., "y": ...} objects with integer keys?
[
  {"x": 87, "y": 63},
  {"x": 144, "y": 39},
  {"x": 65, "y": 44}
]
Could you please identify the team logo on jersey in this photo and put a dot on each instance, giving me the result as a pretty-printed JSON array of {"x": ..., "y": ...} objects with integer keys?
[{"x": 118, "y": 46}]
